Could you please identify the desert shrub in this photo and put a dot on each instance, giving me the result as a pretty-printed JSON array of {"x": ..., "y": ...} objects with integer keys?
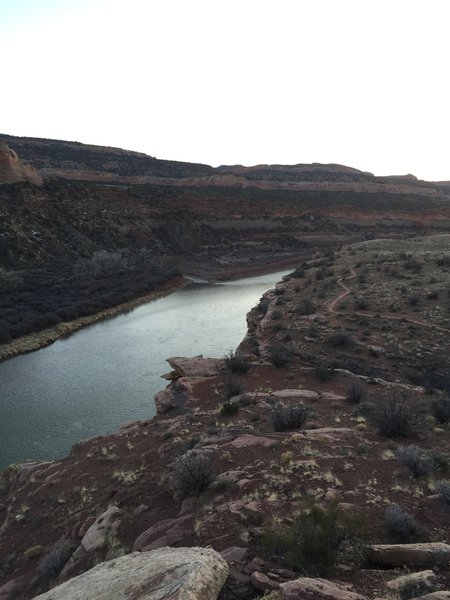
[
  {"x": 413, "y": 300},
  {"x": 340, "y": 339},
  {"x": 360, "y": 303},
  {"x": 263, "y": 305},
  {"x": 443, "y": 261},
  {"x": 236, "y": 362},
  {"x": 192, "y": 474},
  {"x": 412, "y": 588},
  {"x": 415, "y": 459},
  {"x": 232, "y": 387},
  {"x": 51, "y": 565},
  {"x": 412, "y": 264},
  {"x": 288, "y": 415},
  {"x": 279, "y": 291},
  {"x": 433, "y": 295},
  {"x": 323, "y": 373},
  {"x": 356, "y": 391},
  {"x": 443, "y": 489},
  {"x": 313, "y": 541},
  {"x": 306, "y": 307},
  {"x": 298, "y": 273},
  {"x": 440, "y": 409},
  {"x": 401, "y": 527},
  {"x": 279, "y": 357},
  {"x": 229, "y": 409},
  {"x": 397, "y": 416},
  {"x": 276, "y": 315}
]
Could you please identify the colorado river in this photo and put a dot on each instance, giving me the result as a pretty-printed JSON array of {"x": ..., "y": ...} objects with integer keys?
[{"x": 108, "y": 373}]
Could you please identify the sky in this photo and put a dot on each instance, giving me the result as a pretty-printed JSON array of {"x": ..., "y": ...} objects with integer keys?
[{"x": 364, "y": 83}]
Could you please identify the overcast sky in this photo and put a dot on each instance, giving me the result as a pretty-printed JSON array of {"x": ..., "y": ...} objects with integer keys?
[{"x": 363, "y": 83}]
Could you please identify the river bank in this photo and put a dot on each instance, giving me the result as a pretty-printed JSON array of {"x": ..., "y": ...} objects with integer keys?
[{"x": 41, "y": 339}]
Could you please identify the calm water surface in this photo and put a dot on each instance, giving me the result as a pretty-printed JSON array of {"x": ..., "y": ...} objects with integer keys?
[{"x": 108, "y": 373}]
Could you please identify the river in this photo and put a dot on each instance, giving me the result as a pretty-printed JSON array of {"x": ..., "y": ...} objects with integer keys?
[{"x": 108, "y": 373}]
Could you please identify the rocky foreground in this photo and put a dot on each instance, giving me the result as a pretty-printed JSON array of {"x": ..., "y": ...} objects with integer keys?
[{"x": 313, "y": 463}]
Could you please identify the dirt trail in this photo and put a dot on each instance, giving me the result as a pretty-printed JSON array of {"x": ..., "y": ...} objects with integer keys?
[{"x": 331, "y": 307}]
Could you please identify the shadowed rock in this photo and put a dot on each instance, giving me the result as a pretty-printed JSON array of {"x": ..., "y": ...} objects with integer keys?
[{"x": 306, "y": 588}]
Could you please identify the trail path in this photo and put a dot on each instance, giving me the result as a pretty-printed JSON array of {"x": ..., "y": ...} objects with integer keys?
[{"x": 332, "y": 306}]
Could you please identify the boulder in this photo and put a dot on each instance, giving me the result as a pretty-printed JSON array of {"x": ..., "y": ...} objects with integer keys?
[
  {"x": 422, "y": 582},
  {"x": 164, "y": 401},
  {"x": 195, "y": 367},
  {"x": 172, "y": 529},
  {"x": 263, "y": 582},
  {"x": 96, "y": 538},
  {"x": 306, "y": 588},
  {"x": 166, "y": 573},
  {"x": 412, "y": 555},
  {"x": 238, "y": 586},
  {"x": 234, "y": 554}
]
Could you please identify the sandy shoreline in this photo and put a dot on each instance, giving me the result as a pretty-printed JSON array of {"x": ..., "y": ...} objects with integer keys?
[{"x": 41, "y": 339}]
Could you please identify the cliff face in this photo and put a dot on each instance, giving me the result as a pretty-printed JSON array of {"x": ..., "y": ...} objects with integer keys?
[
  {"x": 158, "y": 217},
  {"x": 13, "y": 170}
]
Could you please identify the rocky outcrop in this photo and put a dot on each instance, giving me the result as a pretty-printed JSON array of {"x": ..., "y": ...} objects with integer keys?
[
  {"x": 413, "y": 555},
  {"x": 167, "y": 573},
  {"x": 13, "y": 170}
]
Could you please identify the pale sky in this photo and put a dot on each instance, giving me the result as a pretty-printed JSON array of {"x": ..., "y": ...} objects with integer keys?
[{"x": 363, "y": 83}]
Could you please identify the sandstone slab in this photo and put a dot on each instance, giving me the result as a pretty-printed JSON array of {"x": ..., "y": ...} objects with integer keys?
[
  {"x": 195, "y": 367},
  {"x": 247, "y": 440},
  {"x": 412, "y": 555},
  {"x": 163, "y": 574}
]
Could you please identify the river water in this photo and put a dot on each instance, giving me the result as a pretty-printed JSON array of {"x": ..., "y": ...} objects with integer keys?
[{"x": 108, "y": 373}]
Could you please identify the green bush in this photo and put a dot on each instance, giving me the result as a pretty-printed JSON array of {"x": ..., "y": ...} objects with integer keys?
[
  {"x": 313, "y": 541},
  {"x": 340, "y": 339},
  {"x": 323, "y": 374},
  {"x": 443, "y": 489},
  {"x": 306, "y": 307},
  {"x": 229, "y": 409},
  {"x": 440, "y": 409}
]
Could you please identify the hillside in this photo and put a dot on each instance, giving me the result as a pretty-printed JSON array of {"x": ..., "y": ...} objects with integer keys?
[
  {"x": 96, "y": 227},
  {"x": 332, "y": 423}
]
